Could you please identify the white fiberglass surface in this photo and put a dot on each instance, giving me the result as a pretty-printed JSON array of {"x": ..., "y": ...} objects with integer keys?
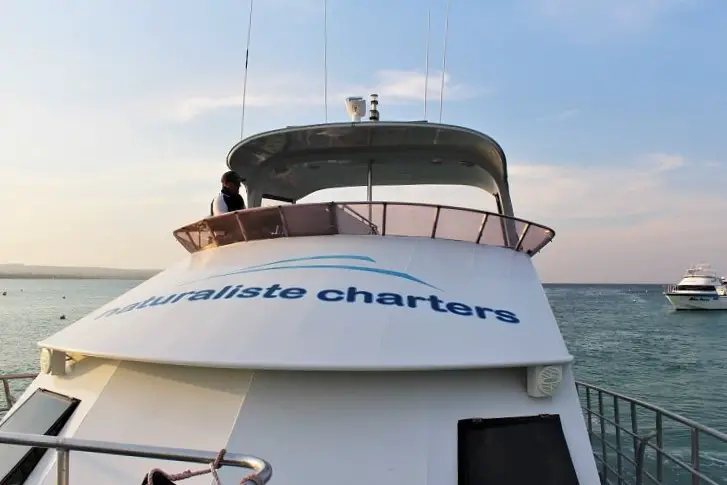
[
  {"x": 332, "y": 302},
  {"x": 156, "y": 405},
  {"x": 328, "y": 427},
  {"x": 387, "y": 428}
]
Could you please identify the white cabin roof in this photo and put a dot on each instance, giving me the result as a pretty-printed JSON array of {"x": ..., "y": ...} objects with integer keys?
[
  {"x": 701, "y": 270},
  {"x": 341, "y": 302},
  {"x": 290, "y": 163}
]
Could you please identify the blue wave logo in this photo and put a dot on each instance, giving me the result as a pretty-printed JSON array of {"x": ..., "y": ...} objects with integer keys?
[{"x": 308, "y": 263}]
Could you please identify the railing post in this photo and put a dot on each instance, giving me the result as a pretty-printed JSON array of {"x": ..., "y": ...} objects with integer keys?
[
  {"x": 695, "y": 456},
  {"x": 590, "y": 413},
  {"x": 635, "y": 426},
  {"x": 660, "y": 445},
  {"x": 640, "y": 458},
  {"x": 6, "y": 389},
  {"x": 520, "y": 240},
  {"x": 436, "y": 221},
  {"x": 619, "y": 459},
  {"x": 603, "y": 435},
  {"x": 62, "y": 466}
]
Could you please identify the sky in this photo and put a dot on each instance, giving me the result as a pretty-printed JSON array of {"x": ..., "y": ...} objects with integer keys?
[{"x": 116, "y": 117}]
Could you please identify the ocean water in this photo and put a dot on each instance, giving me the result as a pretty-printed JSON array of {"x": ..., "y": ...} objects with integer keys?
[{"x": 624, "y": 337}]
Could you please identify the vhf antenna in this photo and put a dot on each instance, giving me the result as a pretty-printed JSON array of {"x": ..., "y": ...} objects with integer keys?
[
  {"x": 444, "y": 60},
  {"x": 244, "y": 83}
]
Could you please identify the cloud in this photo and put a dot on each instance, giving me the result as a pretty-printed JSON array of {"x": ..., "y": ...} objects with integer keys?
[
  {"x": 596, "y": 194},
  {"x": 561, "y": 115},
  {"x": 598, "y": 16},
  {"x": 393, "y": 87},
  {"x": 621, "y": 222},
  {"x": 401, "y": 86},
  {"x": 663, "y": 162}
]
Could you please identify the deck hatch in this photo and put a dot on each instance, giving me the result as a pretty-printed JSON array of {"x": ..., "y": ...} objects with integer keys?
[{"x": 513, "y": 451}]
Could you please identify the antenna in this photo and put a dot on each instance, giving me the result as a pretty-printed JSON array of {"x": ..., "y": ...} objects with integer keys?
[
  {"x": 426, "y": 62},
  {"x": 244, "y": 83},
  {"x": 325, "y": 58},
  {"x": 374, "y": 114},
  {"x": 444, "y": 60}
]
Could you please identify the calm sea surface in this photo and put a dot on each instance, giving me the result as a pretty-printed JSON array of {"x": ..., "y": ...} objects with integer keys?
[{"x": 624, "y": 337}]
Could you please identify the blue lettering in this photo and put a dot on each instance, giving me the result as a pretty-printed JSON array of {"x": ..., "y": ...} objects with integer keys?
[
  {"x": 506, "y": 316},
  {"x": 437, "y": 304},
  {"x": 270, "y": 291},
  {"x": 252, "y": 292},
  {"x": 330, "y": 295},
  {"x": 459, "y": 309},
  {"x": 293, "y": 293},
  {"x": 221, "y": 293},
  {"x": 351, "y": 294},
  {"x": 482, "y": 311},
  {"x": 162, "y": 300},
  {"x": 390, "y": 299},
  {"x": 202, "y": 295},
  {"x": 411, "y": 301}
]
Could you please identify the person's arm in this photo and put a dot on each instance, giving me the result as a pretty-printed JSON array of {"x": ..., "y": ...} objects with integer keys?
[{"x": 219, "y": 206}]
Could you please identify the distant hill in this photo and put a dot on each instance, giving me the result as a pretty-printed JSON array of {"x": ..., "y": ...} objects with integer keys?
[{"x": 21, "y": 271}]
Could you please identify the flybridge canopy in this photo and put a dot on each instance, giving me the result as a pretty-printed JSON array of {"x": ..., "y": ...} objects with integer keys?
[{"x": 291, "y": 163}]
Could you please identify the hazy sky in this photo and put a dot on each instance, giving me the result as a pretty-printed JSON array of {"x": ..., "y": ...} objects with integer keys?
[{"x": 117, "y": 116}]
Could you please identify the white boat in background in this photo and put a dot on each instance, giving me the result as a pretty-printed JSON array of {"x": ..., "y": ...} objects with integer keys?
[
  {"x": 345, "y": 342},
  {"x": 699, "y": 289}
]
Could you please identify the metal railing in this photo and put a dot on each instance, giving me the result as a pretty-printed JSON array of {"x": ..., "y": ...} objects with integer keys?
[
  {"x": 634, "y": 441},
  {"x": 7, "y": 380},
  {"x": 670, "y": 288},
  {"x": 366, "y": 219},
  {"x": 262, "y": 470}
]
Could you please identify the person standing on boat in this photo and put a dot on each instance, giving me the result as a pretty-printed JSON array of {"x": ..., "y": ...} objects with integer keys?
[{"x": 229, "y": 198}]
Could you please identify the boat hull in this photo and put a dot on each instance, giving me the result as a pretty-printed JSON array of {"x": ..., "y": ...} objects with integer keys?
[{"x": 682, "y": 301}]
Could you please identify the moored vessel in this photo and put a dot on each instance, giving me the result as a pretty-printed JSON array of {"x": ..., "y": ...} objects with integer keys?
[
  {"x": 369, "y": 341},
  {"x": 699, "y": 289}
]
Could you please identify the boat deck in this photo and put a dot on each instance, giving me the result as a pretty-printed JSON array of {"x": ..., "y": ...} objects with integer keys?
[{"x": 634, "y": 442}]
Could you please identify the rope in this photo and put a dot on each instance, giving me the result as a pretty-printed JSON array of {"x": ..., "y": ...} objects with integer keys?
[{"x": 212, "y": 468}]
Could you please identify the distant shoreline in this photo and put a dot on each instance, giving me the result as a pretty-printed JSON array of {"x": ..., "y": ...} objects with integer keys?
[
  {"x": 145, "y": 276},
  {"x": 73, "y": 277}
]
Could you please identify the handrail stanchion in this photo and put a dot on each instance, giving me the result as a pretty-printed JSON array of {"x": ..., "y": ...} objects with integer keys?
[
  {"x": 641, "y": 451},
  {"x": 695, "y": 455},
  {"x": 436, "y": 221},
  {"x": 63, "y": 463},
  {"x": 519, "y": 245},
  {"x": 369, "y": 186}
]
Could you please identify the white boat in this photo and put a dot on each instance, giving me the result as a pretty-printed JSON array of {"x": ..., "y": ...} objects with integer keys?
[
  {"x": 343, "y": 342},
  {"x": 699, "y": 289}
]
